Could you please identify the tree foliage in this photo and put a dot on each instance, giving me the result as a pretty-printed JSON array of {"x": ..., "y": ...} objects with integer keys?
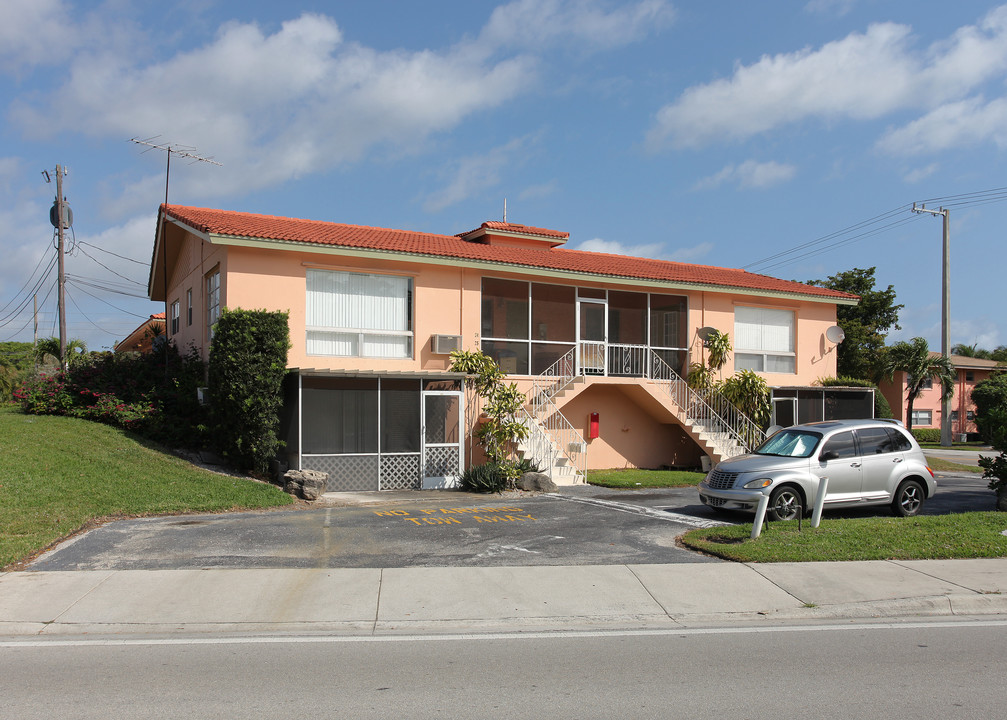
[
  {"x": 990, "y": 398},
  {"x": 248, "y": 360},
  {"x": 915, "y": 360},
  {"x": 501, "y": 405},
  {"x": 865, "y": 324}
]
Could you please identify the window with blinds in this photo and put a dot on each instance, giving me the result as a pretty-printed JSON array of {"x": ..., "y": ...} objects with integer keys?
[
  {"x": 359, "y": 315},
  {"x": 764, "y": 340}
]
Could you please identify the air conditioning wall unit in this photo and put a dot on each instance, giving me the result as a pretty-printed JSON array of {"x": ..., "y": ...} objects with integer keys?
[{"x": 446, "y": 344}]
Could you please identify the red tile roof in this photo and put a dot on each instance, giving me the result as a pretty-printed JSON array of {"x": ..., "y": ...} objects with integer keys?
[
  {"x": 316, "y": 232},
  {"x": 522, "y": 229}
]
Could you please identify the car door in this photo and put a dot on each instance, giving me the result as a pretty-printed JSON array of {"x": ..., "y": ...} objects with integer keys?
[
  {"x": 843, "y": 470},
  {"x": 881, "y": 462}
]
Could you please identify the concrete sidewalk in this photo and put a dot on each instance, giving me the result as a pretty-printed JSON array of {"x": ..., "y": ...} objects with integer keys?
[{"x": 510, "y": 599}]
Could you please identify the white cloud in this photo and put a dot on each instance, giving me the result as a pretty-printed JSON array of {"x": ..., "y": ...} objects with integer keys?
[
  {"x": 968, "y": 122},
  {"x": 750, "y": 174},
  {"x": 476, "y": 173},
  {"x": 535, "y": 23},
  {"x": 614, "y": 247},
  {"x": 862, "y": 76},
  {"x": 272, "y": 107},
  {"x": 692, "y": 254},
  {"x": 915, "y": 176},
  {"x": 35, "y": 32}
]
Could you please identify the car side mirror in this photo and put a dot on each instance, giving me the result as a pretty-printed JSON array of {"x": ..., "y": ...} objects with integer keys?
[{"x": 828, "y": 455}]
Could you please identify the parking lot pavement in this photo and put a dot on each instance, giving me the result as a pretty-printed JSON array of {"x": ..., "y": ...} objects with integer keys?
[
  {"x": 582, "y": 525},
  {"x": 431, "y": 530}
]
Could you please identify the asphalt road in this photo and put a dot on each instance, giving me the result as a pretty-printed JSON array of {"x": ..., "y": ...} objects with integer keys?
[
  {"x": 857, "y": 670},
  {"x": 585, "y": 525}
]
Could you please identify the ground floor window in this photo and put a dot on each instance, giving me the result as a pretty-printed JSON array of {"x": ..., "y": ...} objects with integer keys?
[{"x": 922, "y": 417}]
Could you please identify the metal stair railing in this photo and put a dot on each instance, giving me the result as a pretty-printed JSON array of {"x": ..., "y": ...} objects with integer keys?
[
  {"x": 708, "y": 409},
  {"x": 563, "y": 438}
]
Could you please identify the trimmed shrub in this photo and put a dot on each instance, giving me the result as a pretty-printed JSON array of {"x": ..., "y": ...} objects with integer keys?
[
  {"x": 927, "y": 435},
  {"x": 248, "y": 359},
  {"x": 488, "y": 478}
]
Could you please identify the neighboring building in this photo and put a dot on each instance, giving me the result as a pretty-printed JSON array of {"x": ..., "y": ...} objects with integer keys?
[
  {"x": 927, "y": 410},
  {"x": 141, "y": 340},
  {"x": 598, "y": 341}
]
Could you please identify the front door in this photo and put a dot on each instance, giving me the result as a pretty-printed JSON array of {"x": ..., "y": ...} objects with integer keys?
[
  {"x": 443, "y": 438},
  {"x": 592, "y": 322}
]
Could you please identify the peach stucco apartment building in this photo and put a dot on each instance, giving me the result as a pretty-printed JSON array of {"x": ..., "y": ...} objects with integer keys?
[
  {"x": 927, "y": 409},
  {"x": 597, "y": 341}
]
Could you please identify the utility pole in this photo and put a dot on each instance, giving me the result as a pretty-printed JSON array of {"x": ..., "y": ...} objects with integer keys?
[
  {"x": 62, "y": 268},
  {"x": 945, "y": 312},
  {"x": 61, "y": 218}
]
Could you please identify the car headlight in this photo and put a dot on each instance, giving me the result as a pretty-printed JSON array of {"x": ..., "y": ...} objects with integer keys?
[{"x": 758, "y": 483}]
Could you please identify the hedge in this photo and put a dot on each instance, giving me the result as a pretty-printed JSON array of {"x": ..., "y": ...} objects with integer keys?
[{"x": 248, "y": 359}]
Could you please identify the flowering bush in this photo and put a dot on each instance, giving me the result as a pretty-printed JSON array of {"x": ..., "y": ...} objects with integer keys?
[{"x": 152, "y": 394}]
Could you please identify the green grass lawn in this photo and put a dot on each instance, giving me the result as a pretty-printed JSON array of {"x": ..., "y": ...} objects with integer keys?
[
  {"x": 960, "y": 535},
  {"x": 941, "y": 465},
  {"x": 636, "y": 479},
  {"x": 59, "y": 474}
]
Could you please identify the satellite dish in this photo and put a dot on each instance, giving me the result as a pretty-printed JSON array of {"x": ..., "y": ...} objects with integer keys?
[
  {"x": 835, "y": 334},
  {"x": 705, "y": 333}
]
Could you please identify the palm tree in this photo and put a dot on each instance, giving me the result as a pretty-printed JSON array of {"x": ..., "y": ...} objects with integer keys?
[
  {"x": 47, "y": 350},
  {"x": 972, "y": 351},
  {"x": 914, "y": 359}
]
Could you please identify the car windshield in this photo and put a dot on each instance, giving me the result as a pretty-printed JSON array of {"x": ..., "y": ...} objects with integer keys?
[{"x": 790, "y": 443}]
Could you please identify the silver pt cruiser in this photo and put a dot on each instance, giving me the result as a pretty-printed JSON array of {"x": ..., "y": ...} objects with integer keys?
[{"x": 867, "y": 462}]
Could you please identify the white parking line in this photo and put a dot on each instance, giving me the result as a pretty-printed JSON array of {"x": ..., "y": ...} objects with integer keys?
[{"x": 649, "y": 512}]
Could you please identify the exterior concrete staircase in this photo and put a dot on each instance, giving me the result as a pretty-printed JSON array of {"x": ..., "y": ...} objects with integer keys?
[{"x": 715, "y": 424}]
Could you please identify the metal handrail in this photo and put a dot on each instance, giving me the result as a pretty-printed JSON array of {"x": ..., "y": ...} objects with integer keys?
[
  {"x": 709, "y": 408},
  {"x": 562, "y": 437}
]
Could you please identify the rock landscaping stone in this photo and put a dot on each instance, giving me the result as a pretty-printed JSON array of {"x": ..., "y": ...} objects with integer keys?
[
  {"x": 536, "y": 482},
  {"x": 307, "y": 484}
]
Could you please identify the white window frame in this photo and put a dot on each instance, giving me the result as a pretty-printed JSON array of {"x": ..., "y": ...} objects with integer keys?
[
  {"x": 212, "y": 302},
  {"x": 919, "y": 415},
  {"x": 758, "y": 344},
  {"x": 188, "y": 309},
  {"x": 356, "y": 323},
  {"x": 176, "y": 312}
]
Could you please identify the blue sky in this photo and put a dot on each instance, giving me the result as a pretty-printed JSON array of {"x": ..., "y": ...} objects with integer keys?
[{"x": 739, "y": 134}]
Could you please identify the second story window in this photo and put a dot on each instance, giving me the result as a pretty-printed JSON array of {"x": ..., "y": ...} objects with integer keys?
[
  {"x": 188, "y": 312},
  {"x": 212, "y": 302},
  {"x": 174, "y": 317},
  {"x": 359, "y": 315},
  {"x": 764, "y": 340}
]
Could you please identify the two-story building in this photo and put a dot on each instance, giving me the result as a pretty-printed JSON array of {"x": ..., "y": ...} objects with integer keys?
[
  {"x": 599, "y": 342},
  {"x": 927, "y": 407}
]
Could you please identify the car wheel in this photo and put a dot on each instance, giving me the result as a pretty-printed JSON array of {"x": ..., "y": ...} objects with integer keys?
[
  {"x": 784, "y": 504},
  {"x": 908, "y": 499}
]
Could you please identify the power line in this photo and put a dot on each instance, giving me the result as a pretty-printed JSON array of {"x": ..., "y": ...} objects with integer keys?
[
  {"x": 97, "y": 262},
  {"x": 77, "y": 285},
  {"x": 109, "y": 252}
]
